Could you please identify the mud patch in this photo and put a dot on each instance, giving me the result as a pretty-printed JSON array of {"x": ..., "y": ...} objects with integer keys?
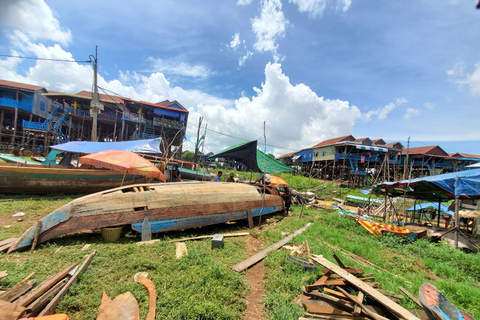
[{"x": 255, "y": 277}]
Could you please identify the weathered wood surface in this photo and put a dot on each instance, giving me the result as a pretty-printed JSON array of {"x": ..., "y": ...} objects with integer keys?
[
  {"x": 123, "y": 307},
  {"x": 371, "y": 314},
  {"x": 245, "y": 264},
  {"x": 411, "y": 296},
  {"x": 322, "y": 307},
  {"x": 121, "y": 206},
  {"x": 44, "y": 286},
  {"x": 10, "y": 311},
  {"x": 180, "y": 250},
  {"x": 50, "y": 308},
  {"x": 34, "y": 308},
  {"x": 3, "y": 274},
  {"x": 146, "y": 230},
  {"x": 38, "y": 179},
  {"x": 152, "y": 294},
  {"x": 396, "y": 309},
  {"x": 17, "y": 290},
  {"x": 239, "y": 234}
]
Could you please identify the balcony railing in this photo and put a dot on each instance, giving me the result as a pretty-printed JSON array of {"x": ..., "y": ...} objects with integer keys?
[{"x": 15, "y": 104}]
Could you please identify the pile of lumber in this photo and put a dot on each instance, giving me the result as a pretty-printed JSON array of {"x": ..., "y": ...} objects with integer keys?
[
  {"x": 5, "y": 244},
  {"x": 27, "y": 300},
  {"x": 344, "y": 292}
]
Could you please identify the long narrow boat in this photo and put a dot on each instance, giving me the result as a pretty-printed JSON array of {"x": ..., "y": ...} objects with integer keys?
[
  {"x": 168, "y": 206},
  {"x": 39, "y": 179},
  {"x": 378, "y": 228},
  {"x": 437, "y": 306}
]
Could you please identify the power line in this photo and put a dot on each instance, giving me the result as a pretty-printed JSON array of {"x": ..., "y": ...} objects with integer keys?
[{"x": 45, "y": 59}]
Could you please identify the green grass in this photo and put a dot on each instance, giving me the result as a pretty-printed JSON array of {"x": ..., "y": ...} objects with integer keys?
[{"x": 202, "y": 285}]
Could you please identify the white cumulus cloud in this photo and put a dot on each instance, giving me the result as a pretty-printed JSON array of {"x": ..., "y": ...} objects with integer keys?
[
  {"x": 382, "y": 113},
  {"x": 429, "y": 105},
  {"x": 344, "y": 5},
  {"x": 35, "y": 18},
  {"x": 314, "y": 8},
  {"x": 463, "y": 78},
  {"x": 269, "y": 26},
  {"x": 235, "y": 43},
  {"x": 178, "y": 67},
  {"x": 411, "y": 112},
  {"x": 244, "y": 2}
]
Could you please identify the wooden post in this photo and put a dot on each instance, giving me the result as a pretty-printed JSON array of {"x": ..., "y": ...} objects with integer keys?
[
  {"x": 70, "y": 129},
  {"x": 385, "y": 208},
  {"x": 457, "y": 223},
  {"x": 414, "y": 211},
  {"x": 14, "y": 128},
  {"x": 438, "y": 218},
  {"x": 2, "y": 117},
  {"x": 123, "y": 129}
]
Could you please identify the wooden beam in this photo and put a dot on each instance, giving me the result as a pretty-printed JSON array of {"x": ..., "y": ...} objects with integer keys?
[
  {"x": 408, "y": 294},
  {"x": 17, "y": 290},
  {"x": 44, "y": 286},
  {"x": 371, "y": 314},
  {"x": 194, "y": 238},
  {"x": 36, "y": 306},
  {"x": 49, "y": 309},
  {"x": 245, "y": 264},
  {"x": 396, "y": 309}
]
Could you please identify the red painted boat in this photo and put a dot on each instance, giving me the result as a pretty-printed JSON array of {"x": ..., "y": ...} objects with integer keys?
[{"x": 437, "y": 306}]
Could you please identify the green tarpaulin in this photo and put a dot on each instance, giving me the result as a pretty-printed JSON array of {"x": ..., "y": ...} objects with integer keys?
[{"x": 248, "y": 154}]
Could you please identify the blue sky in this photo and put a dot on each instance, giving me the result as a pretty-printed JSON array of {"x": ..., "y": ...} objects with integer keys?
[{"x": 312, "y": 69}]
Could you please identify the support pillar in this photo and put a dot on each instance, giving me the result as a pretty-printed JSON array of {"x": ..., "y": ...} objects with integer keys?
[
  {"x": 70, "y": 129},
  {"x": 14, "y": 128},
  {"x": 2, "y": 117}
]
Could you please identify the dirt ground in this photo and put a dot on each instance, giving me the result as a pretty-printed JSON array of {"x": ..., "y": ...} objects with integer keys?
[{"x": 255, "y": 277}]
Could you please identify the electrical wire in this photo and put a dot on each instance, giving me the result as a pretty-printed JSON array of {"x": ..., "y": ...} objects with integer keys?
[{"x": 45, "y": 59}]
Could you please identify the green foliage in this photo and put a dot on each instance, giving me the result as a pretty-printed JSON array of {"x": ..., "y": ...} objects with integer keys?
[{"x": 188, "y": 156}]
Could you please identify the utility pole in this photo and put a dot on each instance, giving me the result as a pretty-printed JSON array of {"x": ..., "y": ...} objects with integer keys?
[
  {"x": 198, "y": 137},
  {"x": 95, "y": 105}
]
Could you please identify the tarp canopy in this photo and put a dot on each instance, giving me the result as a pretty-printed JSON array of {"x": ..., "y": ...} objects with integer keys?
[
  {"x": 433, "y": 205},
  {"x": 248, "y": 154},
  {"x": 140, "y": 146},
  {"x": 461, "y": 184}
]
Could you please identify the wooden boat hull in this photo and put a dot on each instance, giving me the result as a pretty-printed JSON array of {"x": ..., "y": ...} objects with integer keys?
[
  {"x": 413, "y": 235},
  {"x": 201, "y": 221},
  {"x": 437, "y": 306},
  {"x": 378, "y": 229},
  {"x": 155, "y": 202},
  {"x": 38, "y": 179}
]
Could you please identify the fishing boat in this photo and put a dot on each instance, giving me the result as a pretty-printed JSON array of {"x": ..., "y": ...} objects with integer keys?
[
  {"x": 437, "y": 306},
  {"x": 39, "y": 179},
  {"x": 168, "y": 206},
  {"x": 378, "y": 228}
]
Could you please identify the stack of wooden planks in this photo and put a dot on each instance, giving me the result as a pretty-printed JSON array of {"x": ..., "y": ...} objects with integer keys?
[
  {"x": 26, "y": 300},
  {"x": 5, "y": 244},
  {"x": 344, "y": 292}
]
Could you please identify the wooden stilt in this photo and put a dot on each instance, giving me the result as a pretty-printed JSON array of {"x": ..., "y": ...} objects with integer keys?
[{"x": 14, "y": 124}]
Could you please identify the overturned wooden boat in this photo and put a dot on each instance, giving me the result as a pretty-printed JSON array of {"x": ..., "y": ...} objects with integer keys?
[
  {"x": 437, "y": 306},
  {"x": 168, "y": 206},
  {"x": 378, "y": 228},
  {"x": 40, "y": 179}
]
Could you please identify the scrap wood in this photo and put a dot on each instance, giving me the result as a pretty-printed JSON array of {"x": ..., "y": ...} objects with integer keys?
[
  {"x": 330, "y": 317},
  {"x": 10, "y": 311},
  {"x": 320, "y": 282},
  {"x": 44, "y": 286},
  {"x": 152, "y": 293},
  {"x": 239, "y": 234},
  {"x": 309, "y": 253},
  {"x": 5, "y": 244},
  {"x": 411, "y": 296},
  {"x": 358, "y": 308},
  {"x": 3, "y": 274},
  {"x": 51, "y": 306},
  {"x": 391, "y": 294},
  {"x": 342, "y": 282},
  {"x": 370, "y": 313},
  {"x": 181, "y": 250},
  {"x": 59, "y": 248},
  {"x": 338, "y": 294},
  {"x": 351, "y": 270},
  {"x": 17, "y": 290},
  {"x": 393, "y": 307},
  {"x": 345, "y": 305},
  {"x": 36, "y": 306},
  {"x": 340, "y": 263},
  {"x": 123, "y": 307},
  {"x": 37, "y": 233},
  {"x": 262, "y": 254},
  {"x": 322, "y": 307}
]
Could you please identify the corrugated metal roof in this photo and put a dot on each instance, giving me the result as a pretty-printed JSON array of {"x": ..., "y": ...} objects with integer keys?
[
  {"x": 334, "y": 140},
  {"x": 430, "y": 151}
]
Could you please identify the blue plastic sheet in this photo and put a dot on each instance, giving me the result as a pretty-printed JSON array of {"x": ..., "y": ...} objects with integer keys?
[{"x": 140, "y": 146}]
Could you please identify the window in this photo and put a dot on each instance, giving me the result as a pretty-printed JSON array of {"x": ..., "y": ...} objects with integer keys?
[
  {"x": 323, "y": 153},
  {"x": 331, "y": 151}
]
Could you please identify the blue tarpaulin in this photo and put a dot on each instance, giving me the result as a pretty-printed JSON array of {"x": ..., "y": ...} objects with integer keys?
[
  {"x": 140, "y": 146},
  {"x": 433, "y": 205},
  {"x": 461, "y": 184}
]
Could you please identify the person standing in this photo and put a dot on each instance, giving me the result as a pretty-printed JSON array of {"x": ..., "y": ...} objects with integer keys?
[
  {"x": 264, "y": 178},
  {"x": 230, "y": 178},
  {"x": 218, "y": 176}
]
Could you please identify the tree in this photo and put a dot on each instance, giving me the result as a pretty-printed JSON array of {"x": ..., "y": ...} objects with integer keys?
[
  {"x": 271, "y": 155},
  {"x": 188, "y": 156}
]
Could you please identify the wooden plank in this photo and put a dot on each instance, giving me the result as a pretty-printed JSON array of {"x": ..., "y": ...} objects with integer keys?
[
  {"x": 411, "y": 296},
  {"x": 51, "y": 306},
  {"x": 391, "y": 294},
  {"x": 350, "y": 270},
  {"x": 336, "y": 293},
  {"x": 250, "y": 219},
  {"x": 17, "y": 290},
  {"x": 342, "y": 304},
  {"x": 7, "y": 241},
  {"x": 358, "y": 309},
  {"x": 36, "y": 306},
  {"x": 393, "y": 307},
  {"x": 341, "y": 282},
  {"x": 152, "y": 293},
  {"x": 369, "y": 312},
  {"x": 10, "y": 311},
  {"x": 245, "y": 264},
  {"x": 322, "y": 307},
  {"x": 309, "y": 253},
  {"x": 319, "y": 283},
  {"x": 28, "y": 277},
  {"x": 340, "y": 263},
  {"x": 180, "y": 250},
  {"x": 239, "y": 234},
  {"x": 330, "y": 317},
  {"x": 146, "y": 230},
  {"x": 37, "y": 232},
  {"x": 3, "y": 274},
  {"x": 44, "y": 286}
]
